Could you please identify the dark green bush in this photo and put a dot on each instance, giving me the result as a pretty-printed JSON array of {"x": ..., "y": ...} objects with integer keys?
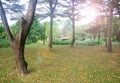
[
  {"x": 67, "y": 42},
  {"x": 88, "y": 43},
  {"x": 59, "y": 42}
]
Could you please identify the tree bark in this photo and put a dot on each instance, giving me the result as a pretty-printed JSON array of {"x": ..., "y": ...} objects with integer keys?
[
  {"x": 73, "y": 34},
  {"x": 52, "y": 5},
  {"x": 21, "y": 64},
  {"x": 44, "y": 35},
  {"x": 18, "y": 48},
  {"x": 109, "y": 46},
  {"x": 73, "y": 24},
  {"x": 99, "y": 37},
  {"x": 106, "y": 38},
  {"x": 5, "y": 23},
  {"x": 51, "y": 34}
]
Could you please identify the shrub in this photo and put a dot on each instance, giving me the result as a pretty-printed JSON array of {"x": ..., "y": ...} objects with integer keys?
[
  {"x": 87, "y": 43},
  {"x": 59, "y": 42},
  {"x": 67, "y": 42},
  {"x": 4, "y": 43}
]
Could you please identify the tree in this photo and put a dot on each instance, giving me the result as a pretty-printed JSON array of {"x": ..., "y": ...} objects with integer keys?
[
  {"x": 47, "y": 30},
  {"x": 117, "y": 6},
  {"x": 44, "y": 36},
  {"x": 50, "y": 11},
  {"x": 93, "y": 30},
  {"x": 116, "y": 29},
  {"x": 108, "y": 8},
  {"x": 18, "y": 41},
  {"x": 67, "y": 27},
  {"x": 13, "y": 8},
  {"x": 104, "y": 30},
  {"x": 71, "y": 11},
  {"x": 2, "y": 32},
  {"x": 36, "y": 31},
  {"x": 109, "y": 23},
  {"x": 52, "y": 4}
]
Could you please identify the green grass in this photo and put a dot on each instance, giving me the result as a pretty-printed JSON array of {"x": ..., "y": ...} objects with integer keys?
[{"x": 82, "y": 64}]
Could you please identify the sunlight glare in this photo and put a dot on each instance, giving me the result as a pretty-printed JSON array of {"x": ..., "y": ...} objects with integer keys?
[{"x": 89, "y": 14}]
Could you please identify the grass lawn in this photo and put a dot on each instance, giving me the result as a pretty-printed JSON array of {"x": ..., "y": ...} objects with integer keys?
[{"x": 82, "y": 64}]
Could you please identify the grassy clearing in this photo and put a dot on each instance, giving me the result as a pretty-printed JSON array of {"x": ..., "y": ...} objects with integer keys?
[{"x": 82, "y": 64}]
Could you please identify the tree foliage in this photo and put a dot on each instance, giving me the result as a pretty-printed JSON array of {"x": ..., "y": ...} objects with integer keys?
[
  {"x": 116, "y": 29},
  {"x": 49, "y": 8},
  {"x": 2, "y": 32},
  {"x": 13, "y": 8},
  {"x": 37, "y": 31},
  {"x": 72, "y": 11}
]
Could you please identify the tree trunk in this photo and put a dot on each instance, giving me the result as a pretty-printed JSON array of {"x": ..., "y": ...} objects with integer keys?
[
  {"x": 73, "y": 23},
  {"x": 73, "y": 34},
  {"x": 18, "y": 49},
  {"x": 44, "y": 35},
  {"x": 52, "y": 6},
  {"x": 94, "y": 37},
  {"x": 99, "y": 37},
  {"x": 50, "y": 37},
  {"x": 109, "y": 47},
  {"x": 21, "y": 64},
  {"x": 106, "y": 39}
]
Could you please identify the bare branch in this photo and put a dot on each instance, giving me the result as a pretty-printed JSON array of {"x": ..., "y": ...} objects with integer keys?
[{"x": 55, "y": 5}]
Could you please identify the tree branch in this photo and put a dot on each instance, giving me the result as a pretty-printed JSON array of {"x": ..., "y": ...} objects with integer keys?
[
  {"x": 5, "y": 23},
  {"x": 26, "y": 21},
  {"x": 55, "y": 5},
  {"x": 30, "y": 13}
]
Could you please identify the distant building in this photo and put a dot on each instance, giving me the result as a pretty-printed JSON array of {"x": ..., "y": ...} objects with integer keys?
[{"x": 64, "y": 38}]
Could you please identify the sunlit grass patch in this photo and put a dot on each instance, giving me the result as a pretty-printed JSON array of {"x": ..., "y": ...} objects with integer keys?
[{"x": 82, "y": 64}]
